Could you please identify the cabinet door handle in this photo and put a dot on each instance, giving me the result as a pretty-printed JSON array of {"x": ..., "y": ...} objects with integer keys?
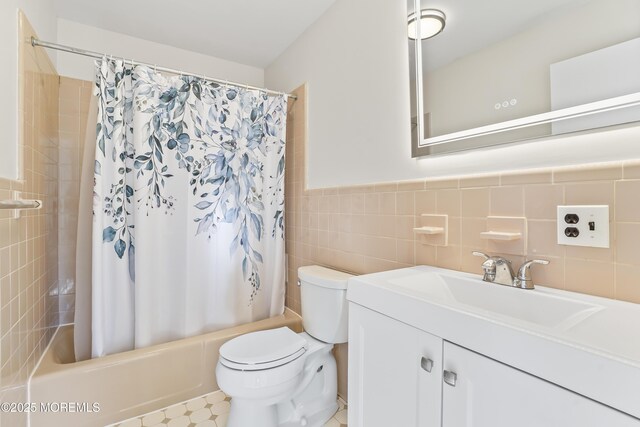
[
  {"x": 450, "y": 378},
  {"x": 426, "y": 364}
]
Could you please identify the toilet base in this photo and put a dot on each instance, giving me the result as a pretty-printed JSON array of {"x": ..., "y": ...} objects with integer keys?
[
  {"x": 249, "y": 413},
  {"x": 317, "y": 419}
]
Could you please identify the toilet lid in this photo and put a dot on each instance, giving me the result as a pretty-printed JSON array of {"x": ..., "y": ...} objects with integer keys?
[{"x": 263, "y": 349}]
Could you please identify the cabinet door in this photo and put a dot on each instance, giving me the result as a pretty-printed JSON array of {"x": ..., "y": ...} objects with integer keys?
[
  {"x": 395, "y": 372},
  {"x": 488, "y": 393}
]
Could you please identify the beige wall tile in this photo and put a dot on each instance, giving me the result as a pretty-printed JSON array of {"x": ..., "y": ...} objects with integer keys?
[
  {"x": 448, "y": 257},
  {"x": 425, "y": 202},
  {"x": 475, "y": 202},
  {"x": 388, "y": 203},
  {"x": 470, "y": 263},
  {"x": 541, "y": 201},
  {"x": 628, "y": 283},
  {"x": 435, "y": 184},
  {"x": 387, "y": 187},
  {"x": 631, "y": 170},
  {"x": 542, "y": 239},
  {"x": 589, "y": 193},
  {"x": 405, "y": 203},
  {"x": 406, "y": 251},
  {"x": 551, "y": 275},
  {"x": 507, "y": 201},
  {"x": 627, "y": 243},
  {"x": 589, "y": 277},
  {"x": 448, "y": 202},
  {"x": 526, "y": 177},
  {"x": 627, "y": 201},
  {"x": 470, "y": 233},
  {"x": 345, "y": 203},
  {"x": 411, "y": 185},
  {"x": 596, "y": 254},
  {"x": 372, "y": 203},
  {"x": 425, "y": 254},
  {"x": 404, "y": 227},
  {"x": 479, "y": 181},
  {"x": 588, "y": 173},
  {"x": 357, "y": 203}
]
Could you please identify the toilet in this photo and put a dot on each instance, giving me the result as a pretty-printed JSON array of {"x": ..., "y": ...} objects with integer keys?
[{"x": 279, "y": 378}]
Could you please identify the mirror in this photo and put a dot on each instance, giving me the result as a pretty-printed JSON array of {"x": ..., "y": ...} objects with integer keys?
[{"x": 509, "y": 70}]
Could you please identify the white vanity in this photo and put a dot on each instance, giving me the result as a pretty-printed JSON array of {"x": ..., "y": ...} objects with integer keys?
[{"x": 435, "y": 347}]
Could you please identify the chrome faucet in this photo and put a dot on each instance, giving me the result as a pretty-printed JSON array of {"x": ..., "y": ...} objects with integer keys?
[{"x": 498, "y": 270}]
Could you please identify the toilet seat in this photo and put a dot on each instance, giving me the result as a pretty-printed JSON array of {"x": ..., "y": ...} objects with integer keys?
[{"x": 262, "y": 350}]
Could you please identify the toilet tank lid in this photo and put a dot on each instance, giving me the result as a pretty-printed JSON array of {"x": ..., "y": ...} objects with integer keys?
[{"x": 324, "y": 277}]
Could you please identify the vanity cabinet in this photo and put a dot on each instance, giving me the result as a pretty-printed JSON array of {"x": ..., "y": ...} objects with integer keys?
[
  {"x": 403, "y": 376},
  {"x": 395, "y": 372},
  {"x": 488, "y": 393}
]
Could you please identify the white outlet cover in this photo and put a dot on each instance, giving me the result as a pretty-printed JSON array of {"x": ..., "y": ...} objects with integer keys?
[{"x": 598, "y": 215}]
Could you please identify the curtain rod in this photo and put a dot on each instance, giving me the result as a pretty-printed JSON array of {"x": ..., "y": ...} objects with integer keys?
[{"x": 37, "y": 42}]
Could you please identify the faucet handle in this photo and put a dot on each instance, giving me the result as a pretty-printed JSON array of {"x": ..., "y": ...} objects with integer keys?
[
  {"x": 482, "y": 254},
  {"x": 523, "y": 279},
  {"x": 488, "y": 266}
]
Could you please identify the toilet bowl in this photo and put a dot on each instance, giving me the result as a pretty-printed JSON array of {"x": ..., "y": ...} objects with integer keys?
[{"x": 278, "y": 378}]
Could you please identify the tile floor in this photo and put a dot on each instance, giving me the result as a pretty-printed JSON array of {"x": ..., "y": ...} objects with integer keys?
[{"x": 210, "y": 410}]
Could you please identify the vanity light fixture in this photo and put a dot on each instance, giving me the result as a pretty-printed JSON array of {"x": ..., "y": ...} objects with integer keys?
[{"x": 432, "y": 23}]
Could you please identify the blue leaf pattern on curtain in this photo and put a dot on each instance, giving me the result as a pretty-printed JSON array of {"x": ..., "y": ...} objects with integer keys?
[{"x": 219, "y": 135}]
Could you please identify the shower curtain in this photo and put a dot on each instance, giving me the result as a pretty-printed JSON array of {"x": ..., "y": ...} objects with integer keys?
[{"x": 188, "y": 205}]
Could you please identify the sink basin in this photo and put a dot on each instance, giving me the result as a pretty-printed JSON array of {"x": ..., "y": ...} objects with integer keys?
[{"x": 536, "y": 306}]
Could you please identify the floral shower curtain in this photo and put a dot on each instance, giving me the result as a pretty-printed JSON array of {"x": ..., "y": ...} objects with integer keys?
[{"x": 188, "y": 227}]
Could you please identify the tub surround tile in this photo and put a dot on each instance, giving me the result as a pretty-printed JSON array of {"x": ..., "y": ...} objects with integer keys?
[{"x": 28, "y": 245}]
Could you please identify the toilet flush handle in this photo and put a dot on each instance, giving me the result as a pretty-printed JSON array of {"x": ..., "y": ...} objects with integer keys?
[{"x": 299, "y": 284}]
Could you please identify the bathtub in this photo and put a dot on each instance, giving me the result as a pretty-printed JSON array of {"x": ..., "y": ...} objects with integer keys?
[{"x": 129, "y": 383}]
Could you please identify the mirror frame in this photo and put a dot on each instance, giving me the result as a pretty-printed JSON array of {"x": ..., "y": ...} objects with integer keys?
[{"x": 438, "y": 145}]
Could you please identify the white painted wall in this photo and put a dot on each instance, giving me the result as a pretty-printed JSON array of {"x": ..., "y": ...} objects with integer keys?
[
  {"x": 120, "y": 45},
  {"x": 355, "y": 61},
  {"x": 42, "y": 17}
]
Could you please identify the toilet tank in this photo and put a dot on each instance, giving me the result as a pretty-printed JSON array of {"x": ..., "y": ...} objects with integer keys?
[{"x": 323, "y": 295}]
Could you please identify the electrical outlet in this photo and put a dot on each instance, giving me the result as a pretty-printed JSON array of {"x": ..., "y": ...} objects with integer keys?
[{"x": 586, "y": 225}]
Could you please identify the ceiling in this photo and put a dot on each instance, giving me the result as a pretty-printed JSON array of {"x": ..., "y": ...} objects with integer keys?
[{"x": 251, "y": 32}]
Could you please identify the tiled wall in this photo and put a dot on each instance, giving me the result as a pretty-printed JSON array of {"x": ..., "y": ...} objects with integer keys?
[
  {"x": 74, "y": 107},
  {"x": 29, "y": 245},
  {"x": 369, "y": 228},
  {"x": 365, "y": 229}
]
